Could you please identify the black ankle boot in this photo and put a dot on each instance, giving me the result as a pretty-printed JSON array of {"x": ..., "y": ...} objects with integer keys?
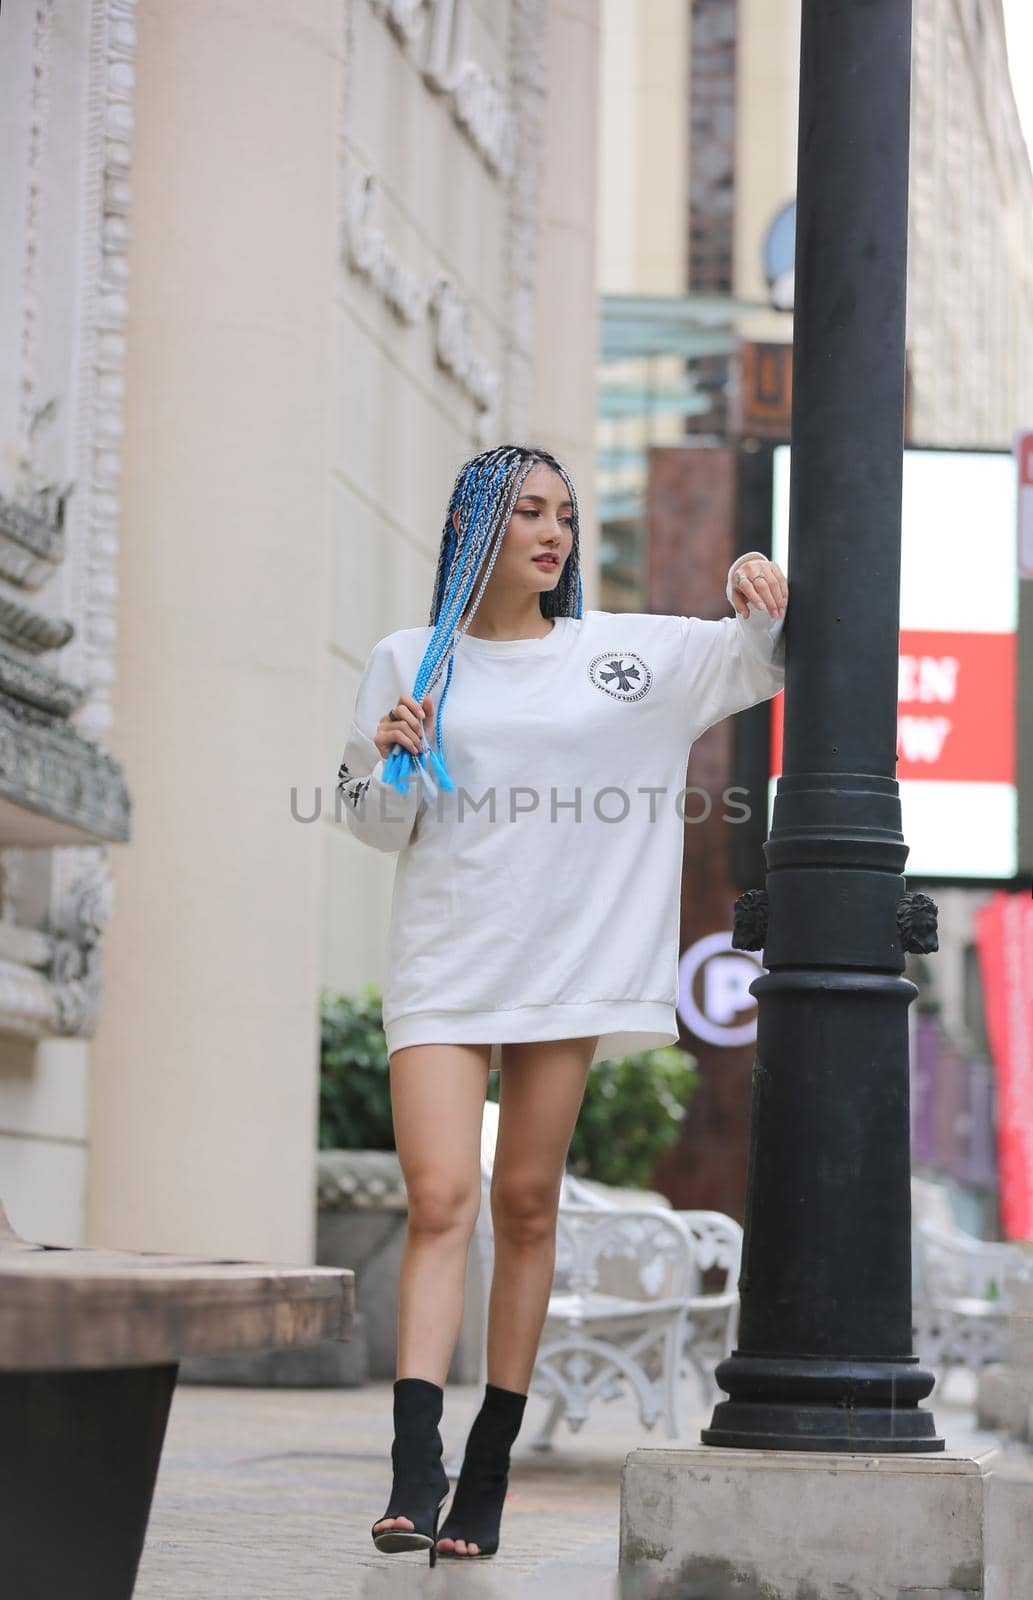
[
  {"x": 420, "y": 1486},
  {"x": 476, "y": 1509}
]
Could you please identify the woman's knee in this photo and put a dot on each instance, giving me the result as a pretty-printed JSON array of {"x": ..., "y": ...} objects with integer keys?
[
  {"x": 440, "y": 1204},
  {"x": 524, "y": 1207}
]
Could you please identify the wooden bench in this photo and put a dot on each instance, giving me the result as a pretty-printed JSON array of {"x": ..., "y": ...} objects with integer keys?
[{"x": 90, "y": 1342}]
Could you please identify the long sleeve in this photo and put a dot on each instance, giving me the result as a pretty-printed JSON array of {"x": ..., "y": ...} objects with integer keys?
[
  {"x": 732, "y": 663},
  {"x": 374, "y": 811}
]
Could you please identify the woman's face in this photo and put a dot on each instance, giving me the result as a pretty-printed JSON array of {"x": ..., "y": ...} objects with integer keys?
[{"x": 541, "y": 525}]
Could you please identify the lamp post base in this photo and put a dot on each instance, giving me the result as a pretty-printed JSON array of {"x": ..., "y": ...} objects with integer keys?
[{"x": 801, "y": 1404}]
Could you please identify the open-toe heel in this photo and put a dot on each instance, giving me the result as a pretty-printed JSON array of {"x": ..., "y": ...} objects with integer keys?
[
  {"x": 475, "y": 1514},
  {"x": 420, "y": 1485}
]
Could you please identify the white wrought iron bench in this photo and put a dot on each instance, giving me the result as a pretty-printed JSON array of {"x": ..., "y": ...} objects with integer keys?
[{"x": 962, "y": 1301}]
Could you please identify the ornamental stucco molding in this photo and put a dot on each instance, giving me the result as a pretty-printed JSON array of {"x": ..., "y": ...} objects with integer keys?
[
  {"x": 28, "y": 1004},
  {"x": 49, "y": 768},
  {"x": 30, "y": 304},
  {"x": 528, "y": 77},
  {"x": 57, "y": 769},
  {"x": 31, "y": 546},
  {"x": 435, "y": 35},
  {"x": 31, "y": 531},
  {"x": 32, "y": 631},
  {"x": 92, "y": 566},
  {"x": 26, "y": 681},
  {"x": 52, "y": 983},
  {"x": 412, "y": 293},
  {"x": 76, "y": 962},
  {"x": 502, "y": 398}
]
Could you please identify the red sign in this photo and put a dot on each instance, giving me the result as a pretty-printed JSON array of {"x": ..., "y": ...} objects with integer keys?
[
  {"x": 1004, "y": 939},
  {"x": 1024, "y": 457},
  {"x": 956, "y": 708}
]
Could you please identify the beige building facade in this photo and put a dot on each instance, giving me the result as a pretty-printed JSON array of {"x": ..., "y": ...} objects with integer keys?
[
  {"x": 970, "y": 288},
  {"x": 340, "y": 247},
  {"x": 970, "y": 244}
]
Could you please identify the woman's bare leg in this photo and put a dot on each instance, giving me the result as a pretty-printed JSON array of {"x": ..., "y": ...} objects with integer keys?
[
  {"x": 437, "y": 1105},
  {"x": 541, "y": 1087}
]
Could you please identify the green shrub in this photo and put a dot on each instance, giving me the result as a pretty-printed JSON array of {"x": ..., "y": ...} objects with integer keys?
[
  {"x": 630, "y": 1115},
  {"x": 354, "y": 1084}
]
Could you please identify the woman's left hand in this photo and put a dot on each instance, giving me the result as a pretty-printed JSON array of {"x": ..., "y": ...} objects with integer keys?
[{"x": 761, "y": 581}]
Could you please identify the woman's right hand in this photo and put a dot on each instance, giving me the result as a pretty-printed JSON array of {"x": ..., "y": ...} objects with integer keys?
[{"x": 406, "y": 726}]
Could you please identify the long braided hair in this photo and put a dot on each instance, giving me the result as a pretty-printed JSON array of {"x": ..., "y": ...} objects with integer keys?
[{"x": 487, "y": 487}]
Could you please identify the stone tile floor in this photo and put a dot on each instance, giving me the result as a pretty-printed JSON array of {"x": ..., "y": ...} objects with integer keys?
[{"x": 269, "y": 1495}]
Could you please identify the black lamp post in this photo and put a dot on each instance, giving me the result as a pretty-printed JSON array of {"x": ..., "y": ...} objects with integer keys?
[{"x": 824, "y": 1359}]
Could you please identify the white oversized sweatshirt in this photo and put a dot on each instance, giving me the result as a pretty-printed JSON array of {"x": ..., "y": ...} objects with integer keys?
[{"x": 540, "y": 899}]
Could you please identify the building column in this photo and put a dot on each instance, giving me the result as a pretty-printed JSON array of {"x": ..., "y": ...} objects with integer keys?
[{"x": 204, "y": 1075}]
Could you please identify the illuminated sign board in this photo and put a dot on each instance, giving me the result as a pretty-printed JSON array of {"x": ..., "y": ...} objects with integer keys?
[{"x": 957, "y": 680}]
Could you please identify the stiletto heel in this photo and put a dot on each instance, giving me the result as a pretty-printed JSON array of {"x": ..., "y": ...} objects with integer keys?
[
  {"x": 476, "y": 1510},
  {"x": 420, "y": 1483},
  {"x": 433, "y": 1552}
]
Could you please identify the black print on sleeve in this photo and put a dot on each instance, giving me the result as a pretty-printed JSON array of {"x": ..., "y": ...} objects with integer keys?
[{"x": 355, "y": 791}]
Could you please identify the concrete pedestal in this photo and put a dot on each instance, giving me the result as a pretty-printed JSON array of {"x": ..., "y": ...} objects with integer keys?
[{"x": 712, "y": 1524}]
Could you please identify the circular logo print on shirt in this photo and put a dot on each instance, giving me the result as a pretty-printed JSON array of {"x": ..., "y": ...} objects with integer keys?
[{"x": 620, "y": 673}]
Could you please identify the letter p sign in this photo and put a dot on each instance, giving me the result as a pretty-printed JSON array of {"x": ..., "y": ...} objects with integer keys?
[{"x": 714, "y": 991}]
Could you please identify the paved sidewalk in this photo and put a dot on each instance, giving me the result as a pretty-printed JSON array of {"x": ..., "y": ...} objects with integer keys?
[{"x": 270, "y": 1494}]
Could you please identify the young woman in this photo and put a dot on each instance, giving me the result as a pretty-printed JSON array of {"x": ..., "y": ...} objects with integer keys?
[{"x": 526, "y": 759}]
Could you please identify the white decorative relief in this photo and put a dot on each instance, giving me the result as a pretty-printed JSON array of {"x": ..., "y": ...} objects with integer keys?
[
  {"x": 440, "y": 31},
  {"x": 33, "y": 201},
  {"x": 435, "y": 33},
  {"x": 56, "y": 901},
  {"x": 92, "y": 566},
  {"x": 368, "y": 253},
  {"x": 413, "y": 296},
  {"x": 455, "y": 350},
  {"x": 51, "y": 982},
  {"x": 76, "y": 955},
  {"x": 527, "y": 72}
]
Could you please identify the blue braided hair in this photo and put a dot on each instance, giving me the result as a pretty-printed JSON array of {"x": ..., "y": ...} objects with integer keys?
[{"x": 487, "y": 487}]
